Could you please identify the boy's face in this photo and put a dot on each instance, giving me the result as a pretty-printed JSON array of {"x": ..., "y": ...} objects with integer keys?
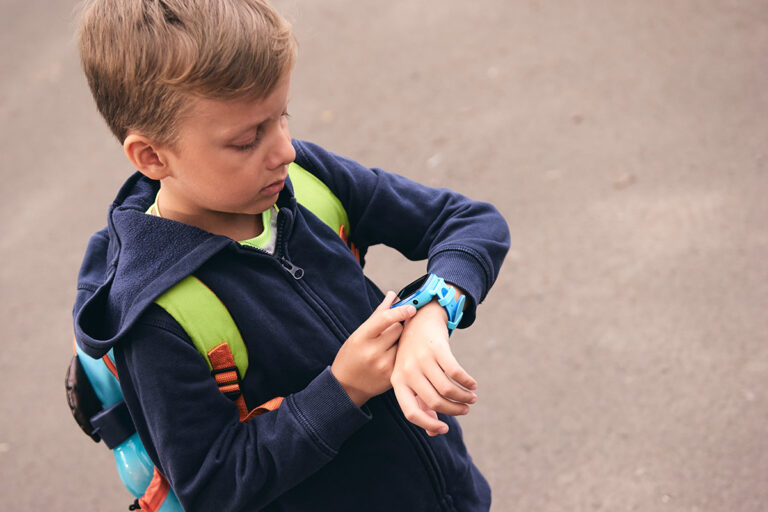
[{"x": 231, "y": 157}]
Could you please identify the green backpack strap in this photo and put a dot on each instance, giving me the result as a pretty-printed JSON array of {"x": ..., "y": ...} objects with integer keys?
[
  {"x": 215, "y": 335},
  {"x": 315, "y": 195},
  {"x": 205, "y": 319}
]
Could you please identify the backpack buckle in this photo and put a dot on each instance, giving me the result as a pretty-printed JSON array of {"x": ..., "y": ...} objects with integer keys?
[{"x": 228, "y": 379}]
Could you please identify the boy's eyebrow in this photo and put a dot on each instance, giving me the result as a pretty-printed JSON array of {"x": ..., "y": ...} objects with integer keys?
[{"x": 235, "y": 132}]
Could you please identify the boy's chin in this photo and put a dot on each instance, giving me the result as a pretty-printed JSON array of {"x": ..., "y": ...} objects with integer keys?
[{"x": 257, "y": 209}]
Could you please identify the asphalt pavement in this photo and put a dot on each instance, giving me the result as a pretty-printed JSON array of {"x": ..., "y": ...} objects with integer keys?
[{"x": 622, "y": 356}]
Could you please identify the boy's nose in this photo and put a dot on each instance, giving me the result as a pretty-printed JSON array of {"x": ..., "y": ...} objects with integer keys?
[{"x": 283, "y": 152}]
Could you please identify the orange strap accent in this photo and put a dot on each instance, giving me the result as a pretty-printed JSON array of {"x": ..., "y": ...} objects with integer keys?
[
  {"x": 265, "y": 407},
  {"x": 221, "y": 357},
  {"x": 227, "y": 378},
  {"x": 345, "y": 238},
  {"x": 107, "y": 361},
  {"x": 110, "y": 365},
  {"x": 156, "y": 492}
]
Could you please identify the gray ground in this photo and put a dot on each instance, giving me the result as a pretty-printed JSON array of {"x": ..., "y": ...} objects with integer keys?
[{"x": 622, "y": 355}]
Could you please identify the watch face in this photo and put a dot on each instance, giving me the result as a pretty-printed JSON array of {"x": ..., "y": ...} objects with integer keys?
[{"x": 412, "y": 288}]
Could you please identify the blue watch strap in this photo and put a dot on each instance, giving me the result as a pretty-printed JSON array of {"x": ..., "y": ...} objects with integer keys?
[
  {"x": 446, "y": 297},
  {"x": 455, "y": 312},
  {"x": 436, "y": 287}
]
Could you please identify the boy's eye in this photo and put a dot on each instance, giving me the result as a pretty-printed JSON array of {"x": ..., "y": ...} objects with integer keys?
[
  {"x": 246, "y": 147},
  {"x": 255, "y": 142}
]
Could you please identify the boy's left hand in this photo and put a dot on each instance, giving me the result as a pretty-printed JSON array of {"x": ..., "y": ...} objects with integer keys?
[{"x": 426, "y": 377}]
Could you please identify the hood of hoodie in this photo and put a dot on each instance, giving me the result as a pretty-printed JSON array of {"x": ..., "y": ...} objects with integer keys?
[{"x": 134, "y": 260}]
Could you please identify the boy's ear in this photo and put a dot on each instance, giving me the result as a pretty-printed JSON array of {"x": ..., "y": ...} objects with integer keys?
[{"x": 146, "y": 156}]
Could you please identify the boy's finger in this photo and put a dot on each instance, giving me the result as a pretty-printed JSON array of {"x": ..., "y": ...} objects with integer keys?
[
  {"x": 381, "y": 320},
  {"x": 391, "y": 334},
  {"x": 415, "y": 414},
  {"x": 446, "y": 387},
  {"x": 453, "y": 369},
  {"x": 424, "y": 389},
  {"x": 389, "y": 299},
  {"x": 430, "y": 412}
]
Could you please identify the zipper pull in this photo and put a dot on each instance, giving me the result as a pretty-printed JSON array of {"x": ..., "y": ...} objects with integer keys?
[{"x": 296, "y": 272}]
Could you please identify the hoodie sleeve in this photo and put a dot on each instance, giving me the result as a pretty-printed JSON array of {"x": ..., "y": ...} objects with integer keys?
[
  {"x": 193, "y": 434},
  {"x": 464, "y": 241}
]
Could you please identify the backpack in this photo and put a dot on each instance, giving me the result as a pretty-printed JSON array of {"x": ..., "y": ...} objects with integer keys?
[{"x": 92, "y": 385}]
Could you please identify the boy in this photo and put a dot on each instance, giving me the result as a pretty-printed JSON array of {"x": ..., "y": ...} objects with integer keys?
[{"x": 197, "y": 93}]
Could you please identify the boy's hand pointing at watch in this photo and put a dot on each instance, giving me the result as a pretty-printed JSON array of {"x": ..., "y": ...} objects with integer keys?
[{"x": 364, "y": 363}]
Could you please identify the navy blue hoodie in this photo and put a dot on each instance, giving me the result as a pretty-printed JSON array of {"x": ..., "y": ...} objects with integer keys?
[{"x": 318, "y": 451}]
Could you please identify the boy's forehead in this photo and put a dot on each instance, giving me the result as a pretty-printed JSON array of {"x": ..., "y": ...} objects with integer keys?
[
  {"x": 225, "y": 115},
  {"x": 220, "y": 110}
]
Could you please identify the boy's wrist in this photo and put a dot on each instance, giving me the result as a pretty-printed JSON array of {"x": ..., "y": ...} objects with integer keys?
[
  {"x": 358, "y": 397},
  {"x": 431, "y": 291},
  {"x": 434, "y": 309}
]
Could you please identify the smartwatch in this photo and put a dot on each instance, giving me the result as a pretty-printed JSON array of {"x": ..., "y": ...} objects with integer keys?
[{"x": 421, "y": 292}]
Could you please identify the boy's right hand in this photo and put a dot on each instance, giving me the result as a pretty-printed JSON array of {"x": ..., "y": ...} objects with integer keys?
[{"x": 365, "y": 361}]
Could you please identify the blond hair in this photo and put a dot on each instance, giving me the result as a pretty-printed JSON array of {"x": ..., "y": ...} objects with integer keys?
[{"x": 144, "y": 58}]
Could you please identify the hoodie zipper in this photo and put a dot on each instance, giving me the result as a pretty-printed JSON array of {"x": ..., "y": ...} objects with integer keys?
[
  {"x": 281, "y": 256},
  {"x": 296, "y": 271}
]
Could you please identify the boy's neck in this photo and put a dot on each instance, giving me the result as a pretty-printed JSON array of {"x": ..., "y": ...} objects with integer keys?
[{"x": 237, "y": 226}]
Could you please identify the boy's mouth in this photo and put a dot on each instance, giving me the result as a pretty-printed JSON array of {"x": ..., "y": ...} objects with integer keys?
[{"x": 274, "y": 188}]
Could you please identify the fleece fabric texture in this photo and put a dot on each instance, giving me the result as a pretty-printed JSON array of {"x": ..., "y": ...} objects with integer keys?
[{"x": 318, "y": 451}]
